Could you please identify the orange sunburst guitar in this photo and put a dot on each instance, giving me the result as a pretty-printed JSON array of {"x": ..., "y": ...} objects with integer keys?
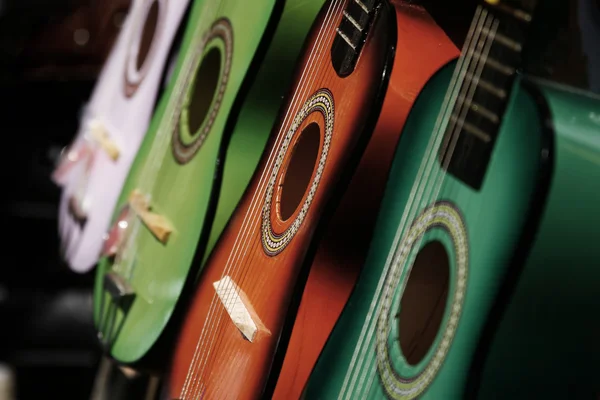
[
  {"x": 343, "y": 249},
  {"x": 228, "y": 342}
]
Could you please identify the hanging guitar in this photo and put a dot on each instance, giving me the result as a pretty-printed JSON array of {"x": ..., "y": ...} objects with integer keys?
[
  {"x": 469, "y": 271},
  {"x": 343, "y": 248},
  {"x": 228, "y": 342},
  {"x": 235, "y": 64},
  {"x": 92, "y": 170}
]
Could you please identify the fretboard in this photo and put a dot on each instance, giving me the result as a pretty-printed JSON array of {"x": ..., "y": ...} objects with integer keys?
[{"x": 490, "y": 59}]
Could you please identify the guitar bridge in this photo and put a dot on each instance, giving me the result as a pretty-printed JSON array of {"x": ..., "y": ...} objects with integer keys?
[
  {"x": 157, "y": 224},
  {"x": 121, "y": 297},
  {"x": 100, "y": 135},
  {"x": 238, "y": 306}
]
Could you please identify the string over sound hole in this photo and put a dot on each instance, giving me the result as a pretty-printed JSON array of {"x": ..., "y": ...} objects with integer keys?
[
  {"x": 274, "y": 242},
  {"x": 299, "y": 171},
  {"x": 423, "y": 302}
]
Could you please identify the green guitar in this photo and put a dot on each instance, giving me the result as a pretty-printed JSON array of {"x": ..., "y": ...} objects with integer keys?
[
  {"x": 482, "y": 279},
  {"x": 198, "y": 156}
]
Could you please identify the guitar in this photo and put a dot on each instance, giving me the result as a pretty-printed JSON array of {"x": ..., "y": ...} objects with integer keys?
[
  {"x": 229, "y": 339},
  {"x": 93, "y": 169},
  {"x": 465, "y": 276},
  {"x": 342, "y": 250},
  {"x": 210, "y": 128}
]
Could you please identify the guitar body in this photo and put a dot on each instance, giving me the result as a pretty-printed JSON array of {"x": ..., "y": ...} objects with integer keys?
[
  {"x": 201, "y": 172},
  {"x": 422, "y": 48},
  {"x": 470, "y": 245},
  {"x": 120, "y": 109},
  {"x": 548, "y": 324},
  {"x": 228, "y": 342}
]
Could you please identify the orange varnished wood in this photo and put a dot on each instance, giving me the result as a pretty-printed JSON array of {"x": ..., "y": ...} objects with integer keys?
[
  {"x": 422, "y": 48},
  {"x": 231, "y": 367}
]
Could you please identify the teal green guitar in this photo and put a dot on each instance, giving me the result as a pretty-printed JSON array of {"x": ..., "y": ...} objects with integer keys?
[
  {"x": 198, "y": 156},
  {"x": 482, "y": 279}
]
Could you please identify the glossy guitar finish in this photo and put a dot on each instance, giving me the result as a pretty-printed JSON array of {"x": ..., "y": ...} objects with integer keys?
[
  {"x": 228, "y": 341},
  {"x": 422, "y": 48},
  {"x": 198, "y": 197},
  {"x": 549, "y": 328},
  {"x": 494, "y": 220},
  {"x": 543, "y": 162}
]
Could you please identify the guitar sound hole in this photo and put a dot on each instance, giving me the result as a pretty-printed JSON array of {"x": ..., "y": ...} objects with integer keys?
[
  {"x": 148, "y": 34},
  {"x": 423, "y": 302},
  {"x": 205, "y": 85},
  {"x": 299, "y": 170}
]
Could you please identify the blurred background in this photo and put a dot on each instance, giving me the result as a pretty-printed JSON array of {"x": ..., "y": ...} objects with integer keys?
[{"x": 51, "y": 52}]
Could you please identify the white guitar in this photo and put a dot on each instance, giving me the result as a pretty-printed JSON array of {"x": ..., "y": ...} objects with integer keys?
[{"x": 94, "y": 167}]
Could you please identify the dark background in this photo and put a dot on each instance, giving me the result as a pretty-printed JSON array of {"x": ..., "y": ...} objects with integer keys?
[{"x": 50, "y": 54}]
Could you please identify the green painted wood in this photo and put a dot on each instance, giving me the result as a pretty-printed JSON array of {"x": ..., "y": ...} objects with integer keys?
[
  {"x": 353, "y": 364},
  {"x": 158, "y": 272},
  {"x": 547, "y": 343}
]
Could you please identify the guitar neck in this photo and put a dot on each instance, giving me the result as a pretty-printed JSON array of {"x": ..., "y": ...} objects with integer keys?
[
  {"x": 351, "y": 34},
  {"x": 486, "y": 72}
]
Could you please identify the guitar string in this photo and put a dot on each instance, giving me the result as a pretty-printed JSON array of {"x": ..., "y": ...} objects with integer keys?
[
  {"x": 260, "y": 285},
  {"x": 230, "y": 254},
  {"x": 297, "y": 97},
  {"x": 225, "y": 300},
  {"x": 424, "y": 184},
  {"x": 491, "y": 27},
  {"x": 342, "y": 103},
  {"x": 451, "y": 96},
  {"x": 340, "y": 106},
  {"x": 447, "y": 154},
  {"x": 257, "y": 249},
  {"x": 186, "y": 382},
  {"x": 213, "y": 304}
]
